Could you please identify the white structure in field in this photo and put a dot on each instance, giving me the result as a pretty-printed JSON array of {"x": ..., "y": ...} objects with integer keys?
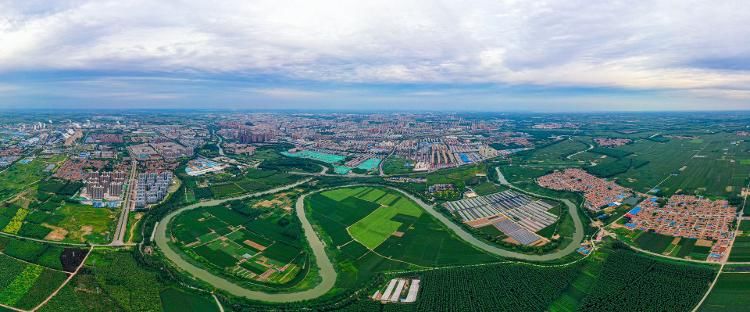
[{"x": 396, "y": 287}]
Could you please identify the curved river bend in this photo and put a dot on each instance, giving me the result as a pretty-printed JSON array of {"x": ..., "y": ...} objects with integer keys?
[{"x": 326, "y": 268}]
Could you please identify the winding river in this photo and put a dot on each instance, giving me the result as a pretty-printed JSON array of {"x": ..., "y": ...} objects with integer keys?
[{"x": 326, "y": 268}]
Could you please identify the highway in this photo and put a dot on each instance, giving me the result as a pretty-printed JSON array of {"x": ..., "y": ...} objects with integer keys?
[{"x": 122, "y": 224}]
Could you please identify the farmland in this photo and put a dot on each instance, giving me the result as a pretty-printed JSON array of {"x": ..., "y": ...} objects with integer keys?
[
  {"x": 400, "y": 244},
  {"x": 32, "y": 271},
  {"x": 741, "y": 248},
  {"x": 47, "y": 212},
  {"x": 254, "y": 240},
  {"x": 23, "y": 174},
  {"x": 667, "y": 245},
  {"x": 251, "y": 180},
  {"x": 47, "y": 255},
  {"x": 114, "y": 281},
  {"x": 397, "y": 165},
  {"x": 639, "y": 283},
  {"x": 731, "y": 293},
  {"x": 502, "y": 287}
]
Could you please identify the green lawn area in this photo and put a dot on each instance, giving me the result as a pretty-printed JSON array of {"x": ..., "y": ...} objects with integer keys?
[
  {"x": 486, "y": 188},
  {"x": 397, "y": 165},
  {"x": 86, "y": 223},
  {"x": 376, "y": 227}
]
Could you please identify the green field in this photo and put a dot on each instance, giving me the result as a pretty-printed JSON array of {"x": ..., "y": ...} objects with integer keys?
[
  {"x": 115, "y": 281},
  {"x": 397, "y": 165},
  {"x": 46, "y": 211},
  {"x": 711, "y": 165},
  {"x": 741, "y": 248},
  {"x": 24, "y": 285},
  {"x": 251, "y": 180},
  {"x": 731, "y": 293},
  {"x": 336, "y": 210},
  {"x": 633, "y": 282},
  {"x": 244, "y": 239},
  {"x": 20, "y": 176},
  {"x": 375, "y": 228}
]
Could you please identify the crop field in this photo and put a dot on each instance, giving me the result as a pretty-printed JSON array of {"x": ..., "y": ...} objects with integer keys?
[
  {"x": 252, "y": 239},
  {"x": 418, "y": 241},
  {"x": 114, "y": 281},
  {"x": 502, "y": 287},
  {"x": 397, "y": 165},
  {"x": 375, "y": 228},
  {"x": 39, "y": 214},
  {"x": 24, "y": 285},
  {"x": 253, "y": 180},
  {"x": 175, "y": 300},
  {"x": 712, "y": 165},
  {"x": 638, "y": 283},
  {"x": 581, "y": 285},
  {"x": 21, "y": 175},
  {"x": 731, "y": 293},
  {"x": 51, "y": 256},
  {"x": 741, "y": 248},
  {"x": 459, "y": 177},
  {"x": 555, "y": 153},
  {"x": 486, "y": 188}
]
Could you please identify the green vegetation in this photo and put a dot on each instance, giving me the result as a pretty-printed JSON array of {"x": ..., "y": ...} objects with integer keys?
[
  {"x": 397, "y": 165},
  {"x": 375, "y": 228},
  {"x": 114, "y": 281},
  {"x": 638, "y": 283},
  {"x": 486, "y": 188},
  {"x": 254, "y": 240},
  {"x": 731, "y": 293},
  {"x": 21, "y": 175},
  {"x": 46, "y": 211},
  {"x": 24, "y": 285},
  {"x": 741, "y": 247},
  {"x": 333, "y": 211},
  {"x": 501, "y": 287}
]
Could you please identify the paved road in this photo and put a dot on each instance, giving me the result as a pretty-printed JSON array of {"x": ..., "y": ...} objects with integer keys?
[
  {"x": 122, "y": 223},
  {"x": 327, "y": 271},
  {"x": 471, "y": 239}
]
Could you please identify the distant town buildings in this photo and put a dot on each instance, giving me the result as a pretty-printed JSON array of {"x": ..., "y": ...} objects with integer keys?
[
  {"x": 612, "y": 142},
  {"x": 597, "y": 192}
]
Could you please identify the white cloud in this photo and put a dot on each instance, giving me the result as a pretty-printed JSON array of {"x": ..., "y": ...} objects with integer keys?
[{"x": 631, "y": 44}]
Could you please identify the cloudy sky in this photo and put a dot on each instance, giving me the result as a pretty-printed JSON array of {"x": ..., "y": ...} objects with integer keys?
[{"x": 388, "y": 55}]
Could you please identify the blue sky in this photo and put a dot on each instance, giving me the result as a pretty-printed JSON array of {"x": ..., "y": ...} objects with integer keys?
[{"x": 376, "y": 55}]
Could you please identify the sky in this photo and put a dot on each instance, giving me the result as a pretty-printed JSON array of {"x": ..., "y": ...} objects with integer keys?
[{"x": 569, "y": 55}]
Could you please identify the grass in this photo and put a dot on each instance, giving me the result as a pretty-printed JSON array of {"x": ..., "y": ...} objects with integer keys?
[
  {"x": 486, "y": 188},
  {"x": 374, "y": 229},
  {"x": 85, "y": 223},
  {"x": 425, "y": 241},
  {"x": 459, "y": 177},
  {"x": 174, "y": 300},
  {"x": 397, "y": 165},
  {"x": 731, "y": 293},
  {"x": 741, "y": 248},
  {"x": 654, "y": 242},
  {"x": 19, "y": 175},
  {"x": 241, "y": 241},
  {"x": 24, "y": 285}
]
